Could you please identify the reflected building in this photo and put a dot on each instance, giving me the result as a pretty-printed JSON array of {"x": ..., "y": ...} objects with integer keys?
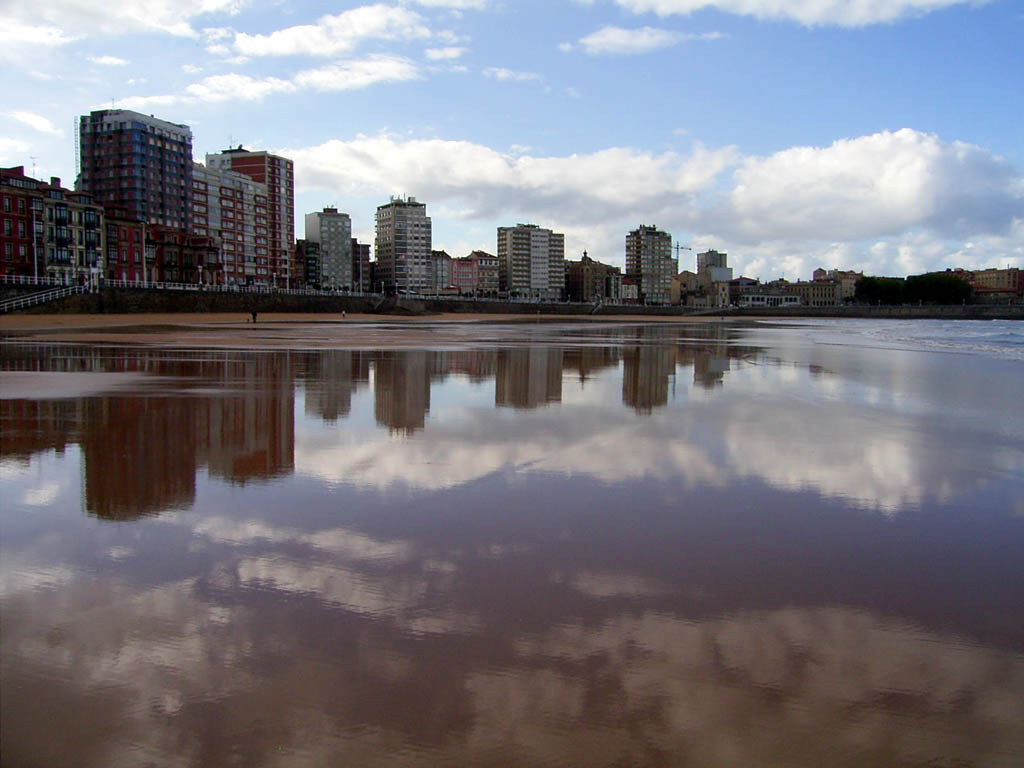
[
  {"x": 141, "y": 451},
  {"x": 478, "y": 364},
  {"x": 645, "y": 375},
  {"x": 139, "y": 454},
  {"x": 331, "y": 378},
  {"x": 587, "y": 361},
  {"x": 528, "y": 377},
  {"x": 401, "y": 389},
  {"x": 28, "y": 427},
  {"x": 709, "y": 368},
  {"x": 252, "y": 435}
]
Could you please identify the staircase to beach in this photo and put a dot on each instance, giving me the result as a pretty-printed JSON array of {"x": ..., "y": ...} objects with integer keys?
[{"x": 40, "y": 297}]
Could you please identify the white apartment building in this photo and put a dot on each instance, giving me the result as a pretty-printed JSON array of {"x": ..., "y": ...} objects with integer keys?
[
  {"x": 332, "y": 231},
  {"x": 531, "y": 262},
  {"x": 650, "y": 263},
  {"x": 232, "y": 208},
  {"x": 402, "y": 246},
  {"x": 278, "y": 174}
]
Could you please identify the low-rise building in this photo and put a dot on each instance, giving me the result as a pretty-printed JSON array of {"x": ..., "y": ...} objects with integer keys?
[
  {"x": 818, "y": 293},
  {"x": 769, "y": 298},
  {"x": 125, "y": 246},
  {"x": 441, "y": 272},
  {"x": 21, "y": 224},
  {"x": 587, "y": 280},
  {"x": 992, "y": 284},
  {"x": 178, "y": 257},
  {"x": 683, "y": 286}
]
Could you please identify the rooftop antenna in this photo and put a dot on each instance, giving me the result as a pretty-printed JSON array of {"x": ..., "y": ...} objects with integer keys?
[{"x": 33, "y": 159}]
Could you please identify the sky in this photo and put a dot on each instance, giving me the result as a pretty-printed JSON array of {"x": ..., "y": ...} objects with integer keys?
[{"x": 877, "y": 135}]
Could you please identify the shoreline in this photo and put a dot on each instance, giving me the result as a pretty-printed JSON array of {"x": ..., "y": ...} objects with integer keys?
[{"x": 295, "y": 330}]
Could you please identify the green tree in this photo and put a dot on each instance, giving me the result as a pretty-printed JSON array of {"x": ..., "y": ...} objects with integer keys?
[{"x": 879, "y": 290}]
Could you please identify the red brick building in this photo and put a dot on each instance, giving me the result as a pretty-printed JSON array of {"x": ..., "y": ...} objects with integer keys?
[
  {"x": 21, "y": 212},
  {"x": 125, "y": 246},
  {"x": 278, "y": 174}
]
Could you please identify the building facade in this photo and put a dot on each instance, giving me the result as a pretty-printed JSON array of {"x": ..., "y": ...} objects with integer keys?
[
  {"x": 818, "y": 293},
  {"x": 72, "y": 234},
  {"x": 361, "y": 276},
  {"x": 710, "y": 259},
  {"x": 307, "y": 255},
  {"x": 531, "y": 262},
  {"x": 125, "y": 246},
  {"x": 402, "y": 246},
  {"x": 996, "y": 284},
  {"x": 649, "y": 261},
  {"x": 139, "y": 163},
  {"x": 278, "y": 175},
  {"x": 21, "y": 225},
  {"x": 587, "y": 280},
  {"x": 180, "y": 257},
  {"x": 441, "y": 271},
  {"x": 232, "y": 208},
  {"x": 332, "y": 232}
]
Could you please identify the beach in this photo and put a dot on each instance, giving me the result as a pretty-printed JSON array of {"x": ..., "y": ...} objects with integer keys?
[{"x": 427, "y": 541}]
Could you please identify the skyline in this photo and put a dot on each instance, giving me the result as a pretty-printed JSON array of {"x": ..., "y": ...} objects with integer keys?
[{"x": 836, "y": 135}]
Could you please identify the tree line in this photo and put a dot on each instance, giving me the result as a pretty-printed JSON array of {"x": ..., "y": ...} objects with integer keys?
[{"x": 929, "y": 288}]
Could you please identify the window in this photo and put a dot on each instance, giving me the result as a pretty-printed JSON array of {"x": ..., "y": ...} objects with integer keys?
[{"x": 7, "y": 204}]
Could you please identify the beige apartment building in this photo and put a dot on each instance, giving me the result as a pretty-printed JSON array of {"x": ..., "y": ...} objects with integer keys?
[
  {"x": 649, "y": 261},
  {"x": 531, "y": 262}
]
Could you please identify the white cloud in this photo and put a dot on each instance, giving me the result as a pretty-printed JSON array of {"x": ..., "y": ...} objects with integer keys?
[
  {"x": 510, "y": 75},
  {"x": 236, "y": 87},
  {"x": 578, "y": 188},
  {"x": 12, "y": 150},
  {"x": 191, "y": 69},
  {"x": 465, "y": 5},
  {"x": 844, "y": 13},
  {"x": 108, "y": 61},
  {"x": 338, "y": 34},
  {"x": 926, "y": 200},
  {"x": 352, "y": 75},
  {"x": 35, "y": 122},
  {"x": 339, "y": 76},
  {"x": 883, "y": 184},
  {"x": 15, "y": 32},
  {"x": 616, "y": 40},
  {"x": 442, "y": 54},
  {"x": 73, "y": 18}
]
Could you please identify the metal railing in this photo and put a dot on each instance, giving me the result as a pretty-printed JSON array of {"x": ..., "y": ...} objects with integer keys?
[{"x": 33, "y": 299}]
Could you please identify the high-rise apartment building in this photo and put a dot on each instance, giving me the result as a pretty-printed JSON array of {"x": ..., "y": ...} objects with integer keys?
[
  {"x": 402, "y": 246},
  {"x": 332, "y": 231},
  {"x": 232, "y": 208},
  {"x": 139, "y": 163},
  {"x": 278, "y": 174},
  {"x": 710, "y": 259},
  {"x": 531, "y": 262},
  {"x": 650, "y": 263},
  {"x": 360, "y": 266}
]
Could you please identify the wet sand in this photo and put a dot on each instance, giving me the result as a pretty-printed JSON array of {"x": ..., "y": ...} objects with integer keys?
[{"x": 290, "y": 330}]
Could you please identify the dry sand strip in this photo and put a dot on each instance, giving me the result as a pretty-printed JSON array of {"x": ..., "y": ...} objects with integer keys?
[{"x": 236, "y": 330}]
